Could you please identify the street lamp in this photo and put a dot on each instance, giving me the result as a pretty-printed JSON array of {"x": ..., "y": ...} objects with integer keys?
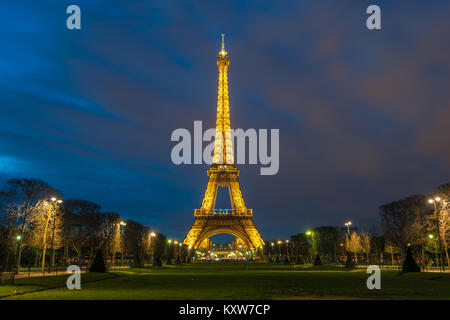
[
  {"x": 122, "y": 224},
  {"x": 150, "y": 236},
  {"x": 279, "y": 249},
  {"x": 309, "y": 235},
  {"x": 348, "y": 224},
  {"x": 18, "y": 238},
  {"x": 287, "y": 248},
  {"x": 55, "y": 209},
  {"x": 270, "y": 250},
  {"x": 431, "y": 236},
  {"x": 433, "y": 201}
]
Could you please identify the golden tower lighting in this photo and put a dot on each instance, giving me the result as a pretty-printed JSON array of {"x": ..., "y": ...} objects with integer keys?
[{"x": 238, "y": 220}]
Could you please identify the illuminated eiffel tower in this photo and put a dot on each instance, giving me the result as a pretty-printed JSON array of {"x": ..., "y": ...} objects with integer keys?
[{"x": 238, "y": 220}]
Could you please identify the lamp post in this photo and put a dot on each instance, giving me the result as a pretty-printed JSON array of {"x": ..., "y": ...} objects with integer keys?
[
  {"x": 348, "y": 224},
  {"x": 168, "y": 253},
  {"x": 152, "y": 235},
  {"x": 270, "y": 250},
  {"x": 287, "y": 249},
  {"x": 431, "y": 236},
  {"x": 309, "y": 234},
  {"x": 18, "y": 238},
  {"x": 55, "y": 201},
  {"x": 433, "y": 201},
  {"x": 279, "y": 249},
  {"x": 176, "y": 249},
  {"x": 122, "y": 225}
]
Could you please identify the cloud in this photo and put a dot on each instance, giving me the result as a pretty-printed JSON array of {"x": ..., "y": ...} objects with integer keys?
[{"x": 362, "y": 114}]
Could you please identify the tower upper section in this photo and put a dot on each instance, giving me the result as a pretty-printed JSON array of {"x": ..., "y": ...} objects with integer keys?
[
  {"x": 223, "y": 148},
  {"x": 222, "y": 56}
]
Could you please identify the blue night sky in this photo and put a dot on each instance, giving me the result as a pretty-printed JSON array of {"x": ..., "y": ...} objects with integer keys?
[{"x": 363, "y": 115}]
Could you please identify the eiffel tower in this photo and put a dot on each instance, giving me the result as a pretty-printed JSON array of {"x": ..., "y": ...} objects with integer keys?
[{"x": 238, "y": 220}]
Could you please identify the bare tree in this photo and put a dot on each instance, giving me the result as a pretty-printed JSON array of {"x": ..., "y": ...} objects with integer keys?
[
  {"x": 135, "y": 236},
  {"x": 390, "y": 248},
  {"x": 366, "y": 245},
  {"x": 82, "y": 225},
  {"x": 40, "y": 228},
  {"x": 444, "y": 226},
  {"x": 10, "y": 216},
  {"x": 116, "y": 244},
  {"x": 27, "y": 192},
  {"x": 443, "y": 191},
  {"x": 397, "y": 219},
  {"x": 110, "y": 222},
  {"x": 353, "y": 244},
  {"x": 45, "y": 228}
]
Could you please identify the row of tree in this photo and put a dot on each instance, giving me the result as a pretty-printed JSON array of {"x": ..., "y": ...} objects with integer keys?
[
  {"x": 37, "y": 228},
  {"x": 420, "y": 222}
]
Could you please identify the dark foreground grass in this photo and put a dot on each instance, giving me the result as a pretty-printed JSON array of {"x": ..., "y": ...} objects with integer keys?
[{"x": 222, "y": 281}]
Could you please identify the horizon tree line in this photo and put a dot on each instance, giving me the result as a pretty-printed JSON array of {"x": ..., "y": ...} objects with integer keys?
[
  {"x": 420, "y": 222},
  {"x": 38, "y": 228}
]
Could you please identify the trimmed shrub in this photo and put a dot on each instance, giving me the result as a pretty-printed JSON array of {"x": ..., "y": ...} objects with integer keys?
[
  {"x": 157, "y": 261},
  {"x": 98, "y": 265},
  {"x": 409, "y": 265},
  {"x": 317, "y": 261},
  {"x": 349, "y": 263}
]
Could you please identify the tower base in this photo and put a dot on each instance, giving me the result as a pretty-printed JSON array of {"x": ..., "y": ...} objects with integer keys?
[{"x": 242, "y": 227}]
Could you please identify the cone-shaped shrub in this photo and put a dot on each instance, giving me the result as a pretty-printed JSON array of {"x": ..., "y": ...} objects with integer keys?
[
  {"x": 98, "y": 265},
  {"x": 317, "y": 261},
  {"x": 157, "y": 261},
  {"x": 409, "y": 265},
  {"x": 349, "y": 263}
]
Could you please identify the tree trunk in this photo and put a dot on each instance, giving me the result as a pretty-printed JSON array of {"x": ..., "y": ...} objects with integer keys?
[
  {"x": 45, "y": 243},
  {"x": 36, "y": 258},
  {"x": 7, "y": 260},
  {"x": 107, "y": 250},
  {"x": 65, "y": 253},
  {"x": 19, "y": 251},
  {"x": 446, "y": 253},
  {"x": 423, "y": 253}
]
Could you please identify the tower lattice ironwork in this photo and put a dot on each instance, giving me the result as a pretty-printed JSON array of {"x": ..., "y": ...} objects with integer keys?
[{"x": 238, "y": 220}]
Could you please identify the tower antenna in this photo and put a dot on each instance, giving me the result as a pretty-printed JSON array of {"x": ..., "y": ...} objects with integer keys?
[{"x": 223, "y": 41}]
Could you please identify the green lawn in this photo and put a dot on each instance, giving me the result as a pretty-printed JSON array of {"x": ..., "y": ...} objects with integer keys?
[{"x": 228, "y": 281}]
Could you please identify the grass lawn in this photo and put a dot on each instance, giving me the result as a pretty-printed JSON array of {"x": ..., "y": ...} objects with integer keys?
[{"x": 233, "y": 281}]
